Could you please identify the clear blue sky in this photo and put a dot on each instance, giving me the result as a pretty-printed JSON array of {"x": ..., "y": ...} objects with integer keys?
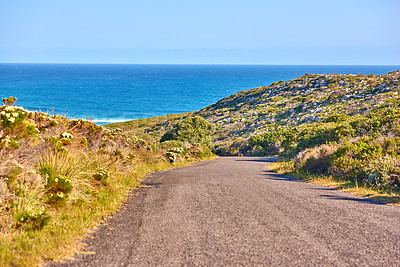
[{"x": 201, "y": 31}]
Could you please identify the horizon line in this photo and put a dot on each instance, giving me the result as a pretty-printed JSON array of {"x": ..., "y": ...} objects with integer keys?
[{"x": 233, "y": 64}]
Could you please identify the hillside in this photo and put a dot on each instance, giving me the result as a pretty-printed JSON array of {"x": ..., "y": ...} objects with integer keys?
[
  {"x": 306, "y": 99},
  {"x": 60, "y": 177},
  {"x": 344, "y": 127},
  {"x": 310, "y": 98}
]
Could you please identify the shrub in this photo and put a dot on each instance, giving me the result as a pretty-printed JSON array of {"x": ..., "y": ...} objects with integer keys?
[
  {"x": 9, "y": 101},
  {"x": 391, "y": 146},
  {"x": 5, "y": 142},
  {"x": 172, "y": 157},
  {"x": 193, "y": 130},
  {"x": 29, "y": 211},
  {"x": 383, "y": 171},
  {"x": 314, "y": 135},
  {"x": 14, "y": 144},
  {"x": 314, "y": 159},
  {"x": 336, "y": 118},
  {"x": 200, "y": 151},
  {"x": 84, "y": 142},
  {"x": 351, "y": 159},
  {"x": 58, "y": 188},
  {"x": 66, "y": 138},
  {"x": 34, "y": 221},
  {"x": 31, "y": 128},
  {"x": 270, "y": 141},
  {"x": 11, "y": 117},
  {"x": 347, "y": 167}
]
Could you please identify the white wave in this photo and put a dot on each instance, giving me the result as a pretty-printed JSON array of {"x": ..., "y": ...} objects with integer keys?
[{"x": 110, "y": 120}]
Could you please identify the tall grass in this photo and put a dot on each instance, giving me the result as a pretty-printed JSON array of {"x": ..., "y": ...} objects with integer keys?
[{"x": 60, "y": 177}]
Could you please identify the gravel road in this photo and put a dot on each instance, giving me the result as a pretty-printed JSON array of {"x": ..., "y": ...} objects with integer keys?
[{"x": 233, "y": 211}]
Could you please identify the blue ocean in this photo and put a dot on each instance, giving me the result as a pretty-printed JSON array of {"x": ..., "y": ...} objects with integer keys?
[{"x": 111, "y": 93}]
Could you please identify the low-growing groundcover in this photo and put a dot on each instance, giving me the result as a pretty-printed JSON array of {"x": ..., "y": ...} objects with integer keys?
[{"x": 60, "y": 177}]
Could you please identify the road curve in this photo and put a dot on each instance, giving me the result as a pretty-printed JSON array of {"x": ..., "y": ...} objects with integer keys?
[{"x": 233, "y": 211}]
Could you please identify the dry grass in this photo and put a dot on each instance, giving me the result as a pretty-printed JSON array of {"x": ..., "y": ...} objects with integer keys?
[{"x": 59, "y": 178}]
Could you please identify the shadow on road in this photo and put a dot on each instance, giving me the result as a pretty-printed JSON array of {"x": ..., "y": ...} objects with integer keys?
[
  {"x": 376, "y": 200},
  {"x": 280, "y": 177},
  {"x": 364, "y": 200},
  {"x": 151, "y": 184},
  {"x": 258, "y": 159}
]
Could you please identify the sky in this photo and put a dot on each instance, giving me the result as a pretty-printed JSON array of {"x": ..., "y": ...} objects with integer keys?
[{"x": 340, "y": 32}]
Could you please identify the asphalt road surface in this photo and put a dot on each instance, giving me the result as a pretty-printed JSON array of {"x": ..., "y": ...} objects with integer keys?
[{"x": 233, "y": 211}]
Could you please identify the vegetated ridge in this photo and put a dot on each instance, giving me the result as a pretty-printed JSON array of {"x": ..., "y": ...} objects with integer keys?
[
  {"x": 304, "y": 100},
  {"x": 347, "y": 126},
  {"x": 311, "y": 98}
]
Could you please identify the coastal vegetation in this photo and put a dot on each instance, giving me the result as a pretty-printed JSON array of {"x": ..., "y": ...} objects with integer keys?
[
  {"x": 343, "y": 127},
  {"x": 60, "y": 177},
  {"x": 195, "y": 130}
]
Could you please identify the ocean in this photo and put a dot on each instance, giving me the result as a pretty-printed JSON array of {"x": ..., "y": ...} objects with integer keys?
[{"x": 109, "y": 93}]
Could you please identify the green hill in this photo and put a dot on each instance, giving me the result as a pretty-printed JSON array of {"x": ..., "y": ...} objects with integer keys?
[
  {"x": 311, "y": 98},
  {"x": 346, "y": 126}
]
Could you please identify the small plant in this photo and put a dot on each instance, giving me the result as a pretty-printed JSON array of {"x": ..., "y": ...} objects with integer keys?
[
  {"x": 84, "y": 142},
  {"x": 102, "y": 176},
  {"x": 32, "y": 221},
  {"x": 171, "y": 157},
  {"x": 5, "y": 142},
  {"x": 31, "y": 128},
  {"x": 66, "y": 138},
  {"x": 58, "y": 189},
  {"x": 118, "y": 154},
  {"x": 57, "y": 170},
  {"x": 9, "y": 101},
  {"x": 14, "y": 144},
  {"x": 11, "y": 117}
]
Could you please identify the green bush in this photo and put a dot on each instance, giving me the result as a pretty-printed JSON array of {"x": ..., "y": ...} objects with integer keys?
[
  {"x": 195, "y": 130},
  {"x": 391, "y": 146},
  {"x": 14, "y": 144},
  {"x": 11, "y": 117},
  {"x": 272, "y": 142},
  {"x": 315, "y": 135},
  {"x": 384, "y": 172},
  {"x": 200, "y": 151},
  {"x": 33, "y": 221},
  {"x": 58, "y": 189},
  {"x": 351, "y": 159},
  {"x": 336, "y": 118},
  {"x": 172, "y": 156}
]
